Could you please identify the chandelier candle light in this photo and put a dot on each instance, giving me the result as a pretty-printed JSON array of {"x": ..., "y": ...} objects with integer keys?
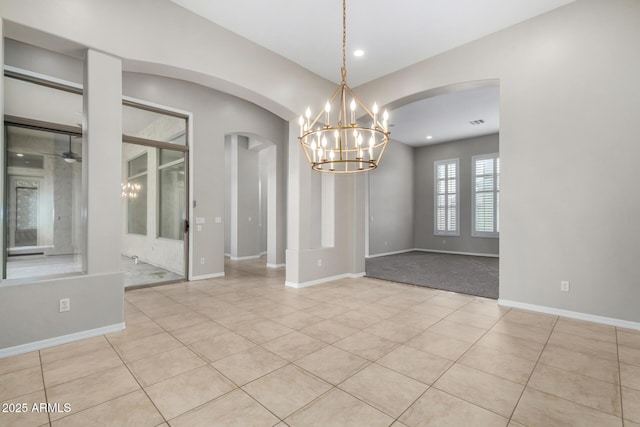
[{"x": 345, "y": 146}]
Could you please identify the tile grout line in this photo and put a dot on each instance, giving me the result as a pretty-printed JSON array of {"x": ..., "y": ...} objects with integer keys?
[
  {"x": 138, "y": 382},
  {"x": 201, "y": 357},
  {"x": 44, "y": 385},
  {"x": 197, "y": 354},
  {"x": 534, "y": 368},
  {"x": 333, "y": 387},
  {"x": 432, "y": 385},
  {"x": 619, "y": 377}
]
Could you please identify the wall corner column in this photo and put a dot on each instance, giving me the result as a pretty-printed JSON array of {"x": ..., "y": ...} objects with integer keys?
[{"x": 102, "y": 152}]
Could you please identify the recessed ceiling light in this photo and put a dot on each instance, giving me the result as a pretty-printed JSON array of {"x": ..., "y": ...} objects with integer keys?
[
  {"x": 429, "y": 137},
  {"x": 19, "y": 154},
  {"x": 358, "y": 52}
]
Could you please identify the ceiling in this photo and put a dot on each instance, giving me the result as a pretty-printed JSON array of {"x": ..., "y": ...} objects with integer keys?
[
  {"x": 393, "y": 35},
  {"x": 447, "y": 117}
]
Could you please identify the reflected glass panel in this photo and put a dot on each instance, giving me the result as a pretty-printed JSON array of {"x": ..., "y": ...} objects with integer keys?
[
  {"x": 37, "y": 102},
  {"x": 44, "y": 227},
  {"x": 172, "y": 200},
  {"x": 169, "y": 156},
  {"x": 153, "y": 211},
  {"x": 141, "y": 123},
  {"x": 136, "y": 195}
]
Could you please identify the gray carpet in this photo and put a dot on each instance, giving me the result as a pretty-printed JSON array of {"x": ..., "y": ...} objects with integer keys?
[{"x": 473, "y": 275}]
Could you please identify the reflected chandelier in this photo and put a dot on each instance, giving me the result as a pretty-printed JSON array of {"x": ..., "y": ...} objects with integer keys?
[{"x": 345, "y": 146}]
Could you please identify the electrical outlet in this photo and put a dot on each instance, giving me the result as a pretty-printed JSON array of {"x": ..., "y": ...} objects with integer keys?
[
  {"x": 564, "y": 286},
  {"x": 202, "y": 260},
  {"x": 319, "y": 263},
  {"x": 65, "y": 304}
]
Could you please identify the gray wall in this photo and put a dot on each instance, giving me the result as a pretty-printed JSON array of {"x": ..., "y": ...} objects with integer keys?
[
  {"x": 391, "y": 203},
  {"x": 43, "y": 61},
  {"x": 97, "y": 297},
  {"x": 29, "y": 310},
  {"x": 424, "y": 158},
  {"x": 569, "y": 150}
]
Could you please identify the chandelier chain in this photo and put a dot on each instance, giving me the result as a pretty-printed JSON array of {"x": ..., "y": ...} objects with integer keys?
[
  {"x": 344, "y": 41},
  {"x": 346, "y": 145}
]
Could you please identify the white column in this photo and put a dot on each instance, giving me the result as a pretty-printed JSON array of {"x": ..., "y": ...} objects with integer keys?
[
  {"x": 298, "y": 237},
  {"x": 102, "y": 148},
  {"x": 272, "y": 206},
  {"x": 281, "y": 203},
  {"x": 233, "y": 218}
]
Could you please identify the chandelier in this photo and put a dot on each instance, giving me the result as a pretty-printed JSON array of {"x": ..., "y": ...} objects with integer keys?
[{"x": 348, "y": 144}]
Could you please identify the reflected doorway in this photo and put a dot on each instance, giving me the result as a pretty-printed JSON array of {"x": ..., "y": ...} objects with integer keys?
[
  {"x": 43, "y": 190},
  {"x": 155, "y": 209},
  {"x": 154, "y": 194}
]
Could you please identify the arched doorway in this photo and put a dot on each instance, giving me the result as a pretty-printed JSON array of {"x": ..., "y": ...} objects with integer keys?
[{"x": 250, "y": 198}]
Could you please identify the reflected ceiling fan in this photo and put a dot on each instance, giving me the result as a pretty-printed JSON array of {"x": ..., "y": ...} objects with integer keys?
[{"x": 68, "y": 156}]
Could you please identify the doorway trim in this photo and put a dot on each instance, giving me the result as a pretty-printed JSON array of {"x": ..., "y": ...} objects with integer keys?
[{"x": 187, "y": 148}]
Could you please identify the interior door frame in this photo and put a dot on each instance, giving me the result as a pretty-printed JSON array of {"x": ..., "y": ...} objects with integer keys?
[{"x": 188, "y": 153}]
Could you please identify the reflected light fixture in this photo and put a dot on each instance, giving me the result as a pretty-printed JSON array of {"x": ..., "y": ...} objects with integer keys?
[
  {"x": 346, "y": 145},
  {"x": 129, "y": 190}
]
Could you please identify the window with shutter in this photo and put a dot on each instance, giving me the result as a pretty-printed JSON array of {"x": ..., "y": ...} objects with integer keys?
[
  {"x": 446, "y": 206},
  {"x": 486, "y": 195}
]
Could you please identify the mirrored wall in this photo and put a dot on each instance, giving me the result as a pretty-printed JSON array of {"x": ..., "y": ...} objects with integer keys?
[
  {"x": 154, "y": 197},
  {"x": 43, "y": 193},
  {"x": 44, "y": 228}
]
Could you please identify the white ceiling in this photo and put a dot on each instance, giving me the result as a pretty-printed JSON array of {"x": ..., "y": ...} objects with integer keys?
[
  {"x": 447, "y": 117},
  {"x": 394, "y": 35}
]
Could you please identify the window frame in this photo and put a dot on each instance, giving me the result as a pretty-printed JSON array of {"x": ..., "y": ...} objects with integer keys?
[
  {"x": 159, "y": 169},
  {"x": 496, "y": 201},
  {"x": 38, "y": 124},
  {"x": 436, "y": 164},
  {"x": 136, "y": 176}
]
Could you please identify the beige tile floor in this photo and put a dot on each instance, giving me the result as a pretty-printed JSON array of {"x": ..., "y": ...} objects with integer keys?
[{"x": 246, "y": 351}]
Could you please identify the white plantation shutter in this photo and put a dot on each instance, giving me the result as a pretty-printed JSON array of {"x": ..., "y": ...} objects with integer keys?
[
  {"x": 486, "y": 195},
  {"x": 446, "y": 210}
]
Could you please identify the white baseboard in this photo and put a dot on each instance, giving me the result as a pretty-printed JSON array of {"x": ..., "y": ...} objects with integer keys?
[
  {"x": 571, "y": 314},
  {"x": 324, "y": 280},
  {"x": 269, "y": 265},
  {"x": 243, "y": 258},
  {"x": 457, "y": 253},
  {"x": 207, "y": 276},
  {"x": 64, "y": 339},
  {"x": 404, "y": 251}
]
